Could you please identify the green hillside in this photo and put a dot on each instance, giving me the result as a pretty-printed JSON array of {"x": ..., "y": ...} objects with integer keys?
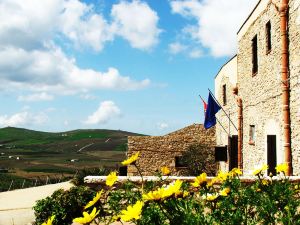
[{"x": 28, "y": 152}]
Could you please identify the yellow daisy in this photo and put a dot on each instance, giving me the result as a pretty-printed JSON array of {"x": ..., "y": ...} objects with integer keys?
[
  {"x": 260, "y": 169},
  {"x": 211, "y": 197},
  {"x": 87, "y": 218},
  {"x": 165, "y": 170},
  {"x": 111, "y": 179},
  {"x": 225, "y": 192},
  {"x": 154, "y": 195},
  {"x": 131, "y": 160},
  {"x": 236, "y": 171},
  {"x": 200, "y": 180},
  {"x": 282, "y": 168},
  {"x": 49, "y": 221},
  {"x": 223, "y": 175},
  {"x": 95, "y": 199},
  {"x": 132, "y": 212}
]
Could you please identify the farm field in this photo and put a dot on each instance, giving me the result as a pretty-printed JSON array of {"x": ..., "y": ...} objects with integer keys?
[{"x": 27, "y": 153}]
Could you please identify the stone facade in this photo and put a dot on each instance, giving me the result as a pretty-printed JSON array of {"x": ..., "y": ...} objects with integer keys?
[
  {"x": 159, "y": 151},
  {"x": 261, "y": 92},
  {"x": 227, "y": 76}
]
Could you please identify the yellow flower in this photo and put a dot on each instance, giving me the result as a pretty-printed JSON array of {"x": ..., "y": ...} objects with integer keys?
[
  {"x": 200, "y": 180},
  {"x": 211, "y": 197},
  {"x": 165, "y": 171},
  {"x": 87, "y": 218},
  {"x": 185, "y": 194},
  {"x": 111, "y": 179},
  {"x": 212, "y": 182},
  {"x": 236, "y": 171},
  {"x": 132, "y": 159},
  {"x": 259, "y": 170},
  {"x": 225, "y": 192},
  {"x": 223, "y": 175},
  {"x": 154, "y": 195},
  {"x": 95, "y": 199},
  {"x": 132, "y": 212},
  {"x": 49, "y": 221},
  {"x": 282, "y": 168},
  {"x": 265, "y": 182},
  {"x": 173, "y": 188}
]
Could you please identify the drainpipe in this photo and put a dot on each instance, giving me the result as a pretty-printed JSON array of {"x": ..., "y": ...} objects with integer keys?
[
  {"x": 240, "y": 127},
  {"x": 285, "y": 83}
]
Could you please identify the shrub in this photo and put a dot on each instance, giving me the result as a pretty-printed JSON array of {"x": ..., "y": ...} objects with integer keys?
[
  {"x": 65, "y": 205},
  {"x": 199, "y": 158},
  {"x": 223, "y": 199}
]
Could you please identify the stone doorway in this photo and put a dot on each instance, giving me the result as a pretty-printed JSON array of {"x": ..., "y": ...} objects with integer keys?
[
  {"x": 271, "y": 154},
  {"x": 233, "y": 152}
]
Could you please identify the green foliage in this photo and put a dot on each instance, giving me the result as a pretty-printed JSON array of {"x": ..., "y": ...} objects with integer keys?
[
  {"x": 225, "y": 200},
  {"x": 65, "y": 205},
  {"x": 199, "y": 158}
]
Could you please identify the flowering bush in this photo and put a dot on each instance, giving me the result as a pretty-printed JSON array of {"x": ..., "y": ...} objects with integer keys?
[{"x": 221, "y": 200}]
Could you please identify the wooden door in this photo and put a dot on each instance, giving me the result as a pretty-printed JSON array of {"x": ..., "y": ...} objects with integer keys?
[
  {"x": 271, "y": 154},
  {"x": 233, "y": 152}
]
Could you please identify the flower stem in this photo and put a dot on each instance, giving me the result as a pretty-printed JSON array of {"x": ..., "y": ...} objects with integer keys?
[{"x": 139, "y": 171}]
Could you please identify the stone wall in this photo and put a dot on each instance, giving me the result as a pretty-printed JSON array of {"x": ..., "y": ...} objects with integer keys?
[
  {"x": 159, "y": 151},
  {"x": 226, "y": 76},
  {"x": 294, "y": 47},
  {"x": 261, "y": 93}
]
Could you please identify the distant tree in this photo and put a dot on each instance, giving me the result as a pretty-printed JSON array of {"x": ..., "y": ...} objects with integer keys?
[{"x": 199, "y": 158}]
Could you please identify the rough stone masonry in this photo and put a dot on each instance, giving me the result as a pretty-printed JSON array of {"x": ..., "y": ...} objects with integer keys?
[{"x": 158, "y": 151}]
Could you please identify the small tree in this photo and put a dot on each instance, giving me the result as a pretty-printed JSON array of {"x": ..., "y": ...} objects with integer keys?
[{"x": 200, "y": 158}]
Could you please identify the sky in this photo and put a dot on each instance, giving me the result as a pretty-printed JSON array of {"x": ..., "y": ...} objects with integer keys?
[{"x": 134, "y": 65}]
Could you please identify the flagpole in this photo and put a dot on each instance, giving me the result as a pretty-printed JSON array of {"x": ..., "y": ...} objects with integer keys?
[
  {"x": 222, "y": 109},
  {"x": 216, "y": 119}
]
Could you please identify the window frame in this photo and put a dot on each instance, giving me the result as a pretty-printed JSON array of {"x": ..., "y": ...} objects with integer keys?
[
  {"x": 252, "y": 134},
  {"x": 178, "y": 163},
  {"x": 254, "y": 55},
  {"x": 268, "y": 37},
  {"x": 224, "y": 94}
]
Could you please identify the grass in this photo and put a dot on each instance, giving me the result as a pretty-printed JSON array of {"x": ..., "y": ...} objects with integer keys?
[{"x": 50, "y": 153}]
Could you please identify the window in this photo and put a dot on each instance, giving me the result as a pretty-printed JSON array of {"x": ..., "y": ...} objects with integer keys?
[
  {"x": 252, "y": 134},
  {"x": 179, "y": 162},
  {"x": 224, "y": 95},
  {"x": 268, "y": 37},
  {"x": 254, "y": 56}
]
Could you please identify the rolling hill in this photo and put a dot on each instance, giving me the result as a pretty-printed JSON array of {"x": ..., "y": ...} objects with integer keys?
[{"x": 29, "y": 153}]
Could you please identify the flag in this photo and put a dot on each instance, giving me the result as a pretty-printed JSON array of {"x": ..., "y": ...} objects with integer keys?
[
  {"x": 210, "y": 116},
  {"x": 204, "y": 105}
]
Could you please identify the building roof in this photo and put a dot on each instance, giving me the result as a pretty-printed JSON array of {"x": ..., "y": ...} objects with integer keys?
[
  {"x": 249, "y": 15},
  {"x": 225, "y": 65}
]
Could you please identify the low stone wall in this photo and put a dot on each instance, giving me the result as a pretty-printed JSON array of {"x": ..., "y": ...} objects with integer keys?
[{"x": 158, "y": 151}]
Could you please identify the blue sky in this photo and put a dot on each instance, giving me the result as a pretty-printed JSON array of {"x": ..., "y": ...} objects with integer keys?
[{"x": 136, "y": 65}]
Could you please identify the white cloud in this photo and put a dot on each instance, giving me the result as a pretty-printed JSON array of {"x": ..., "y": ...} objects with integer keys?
[
  {"x": 176, "y": 48},
  {"x": 162, "y": 126},
  {"x": 136, "y": 22},
  {"x": 30, "y": 60},
  {"x": 83, "y": 26},
  {"x": 35, "y": 22},
  {"x": 214, "y": 23},
  {"x": 22, "y": 118},
  {"x": 187, "y": 49},
  {"x": 87, "y": 97},
  {"x": 106, "y": 111},
  {"x": 52, "y": 71},
  {"x": 36, "y": 97},
  {"x": 195, "y": 53}
]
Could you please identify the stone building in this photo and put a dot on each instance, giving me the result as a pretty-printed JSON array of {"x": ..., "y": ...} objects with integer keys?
[
  {"x": 159, "y": 151},
  {"x": 260, "y": 89}
]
